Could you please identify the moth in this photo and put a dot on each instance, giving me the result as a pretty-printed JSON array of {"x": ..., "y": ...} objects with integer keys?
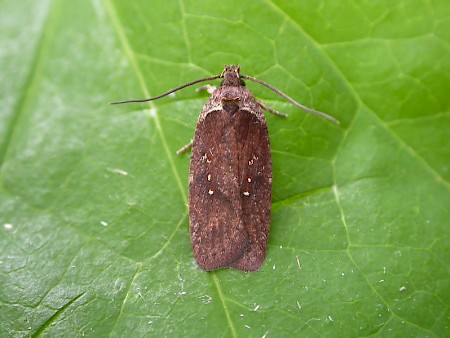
[{"x": 230, "y": 179}]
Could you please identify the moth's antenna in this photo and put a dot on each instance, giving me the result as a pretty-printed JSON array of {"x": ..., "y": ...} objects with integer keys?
[
  {"x": 172, "y": 90},
  {"x": 291, "y": 100}
]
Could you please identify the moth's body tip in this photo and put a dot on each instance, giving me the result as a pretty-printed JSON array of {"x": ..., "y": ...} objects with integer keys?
[
  {"x": 247, "y": 261},
  {"x": 229, "y": 266}
]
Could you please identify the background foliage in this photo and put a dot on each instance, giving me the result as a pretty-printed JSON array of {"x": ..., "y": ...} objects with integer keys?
[{"x": 93, "y": 200}]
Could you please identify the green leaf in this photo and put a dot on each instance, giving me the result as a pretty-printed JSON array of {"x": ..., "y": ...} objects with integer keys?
[{"x": 93, "y": 199}]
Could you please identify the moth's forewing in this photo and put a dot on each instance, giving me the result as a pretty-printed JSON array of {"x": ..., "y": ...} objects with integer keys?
[
  {"x": 255, "y": 177},
  {"x": 215, "y": 214},
  {"x": 230, "y": 182}
]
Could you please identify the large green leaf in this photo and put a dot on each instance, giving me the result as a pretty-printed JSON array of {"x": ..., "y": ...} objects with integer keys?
[{"x": 93, "y": 200}]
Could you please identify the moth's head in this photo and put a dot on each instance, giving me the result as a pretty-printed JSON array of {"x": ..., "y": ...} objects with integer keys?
[{"x": 232, "y": 77}]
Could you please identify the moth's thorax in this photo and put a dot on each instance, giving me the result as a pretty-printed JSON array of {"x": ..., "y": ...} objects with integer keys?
[
  {"x": 237, "y": 94},
  {"x": 231, "y": 106},
  {"x": 232, "y": 98}
]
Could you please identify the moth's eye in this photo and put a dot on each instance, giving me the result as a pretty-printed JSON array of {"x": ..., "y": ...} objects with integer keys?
[
  {"x": 242, "y": 82},
  {"x": 221, "y": 83}
]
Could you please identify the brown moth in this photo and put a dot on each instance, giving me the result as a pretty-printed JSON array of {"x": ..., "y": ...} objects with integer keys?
[{"x": 230, "y": 181}]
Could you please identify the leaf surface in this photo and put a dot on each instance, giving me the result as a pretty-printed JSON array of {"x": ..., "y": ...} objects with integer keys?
[{"x": 94, "y": 233}]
